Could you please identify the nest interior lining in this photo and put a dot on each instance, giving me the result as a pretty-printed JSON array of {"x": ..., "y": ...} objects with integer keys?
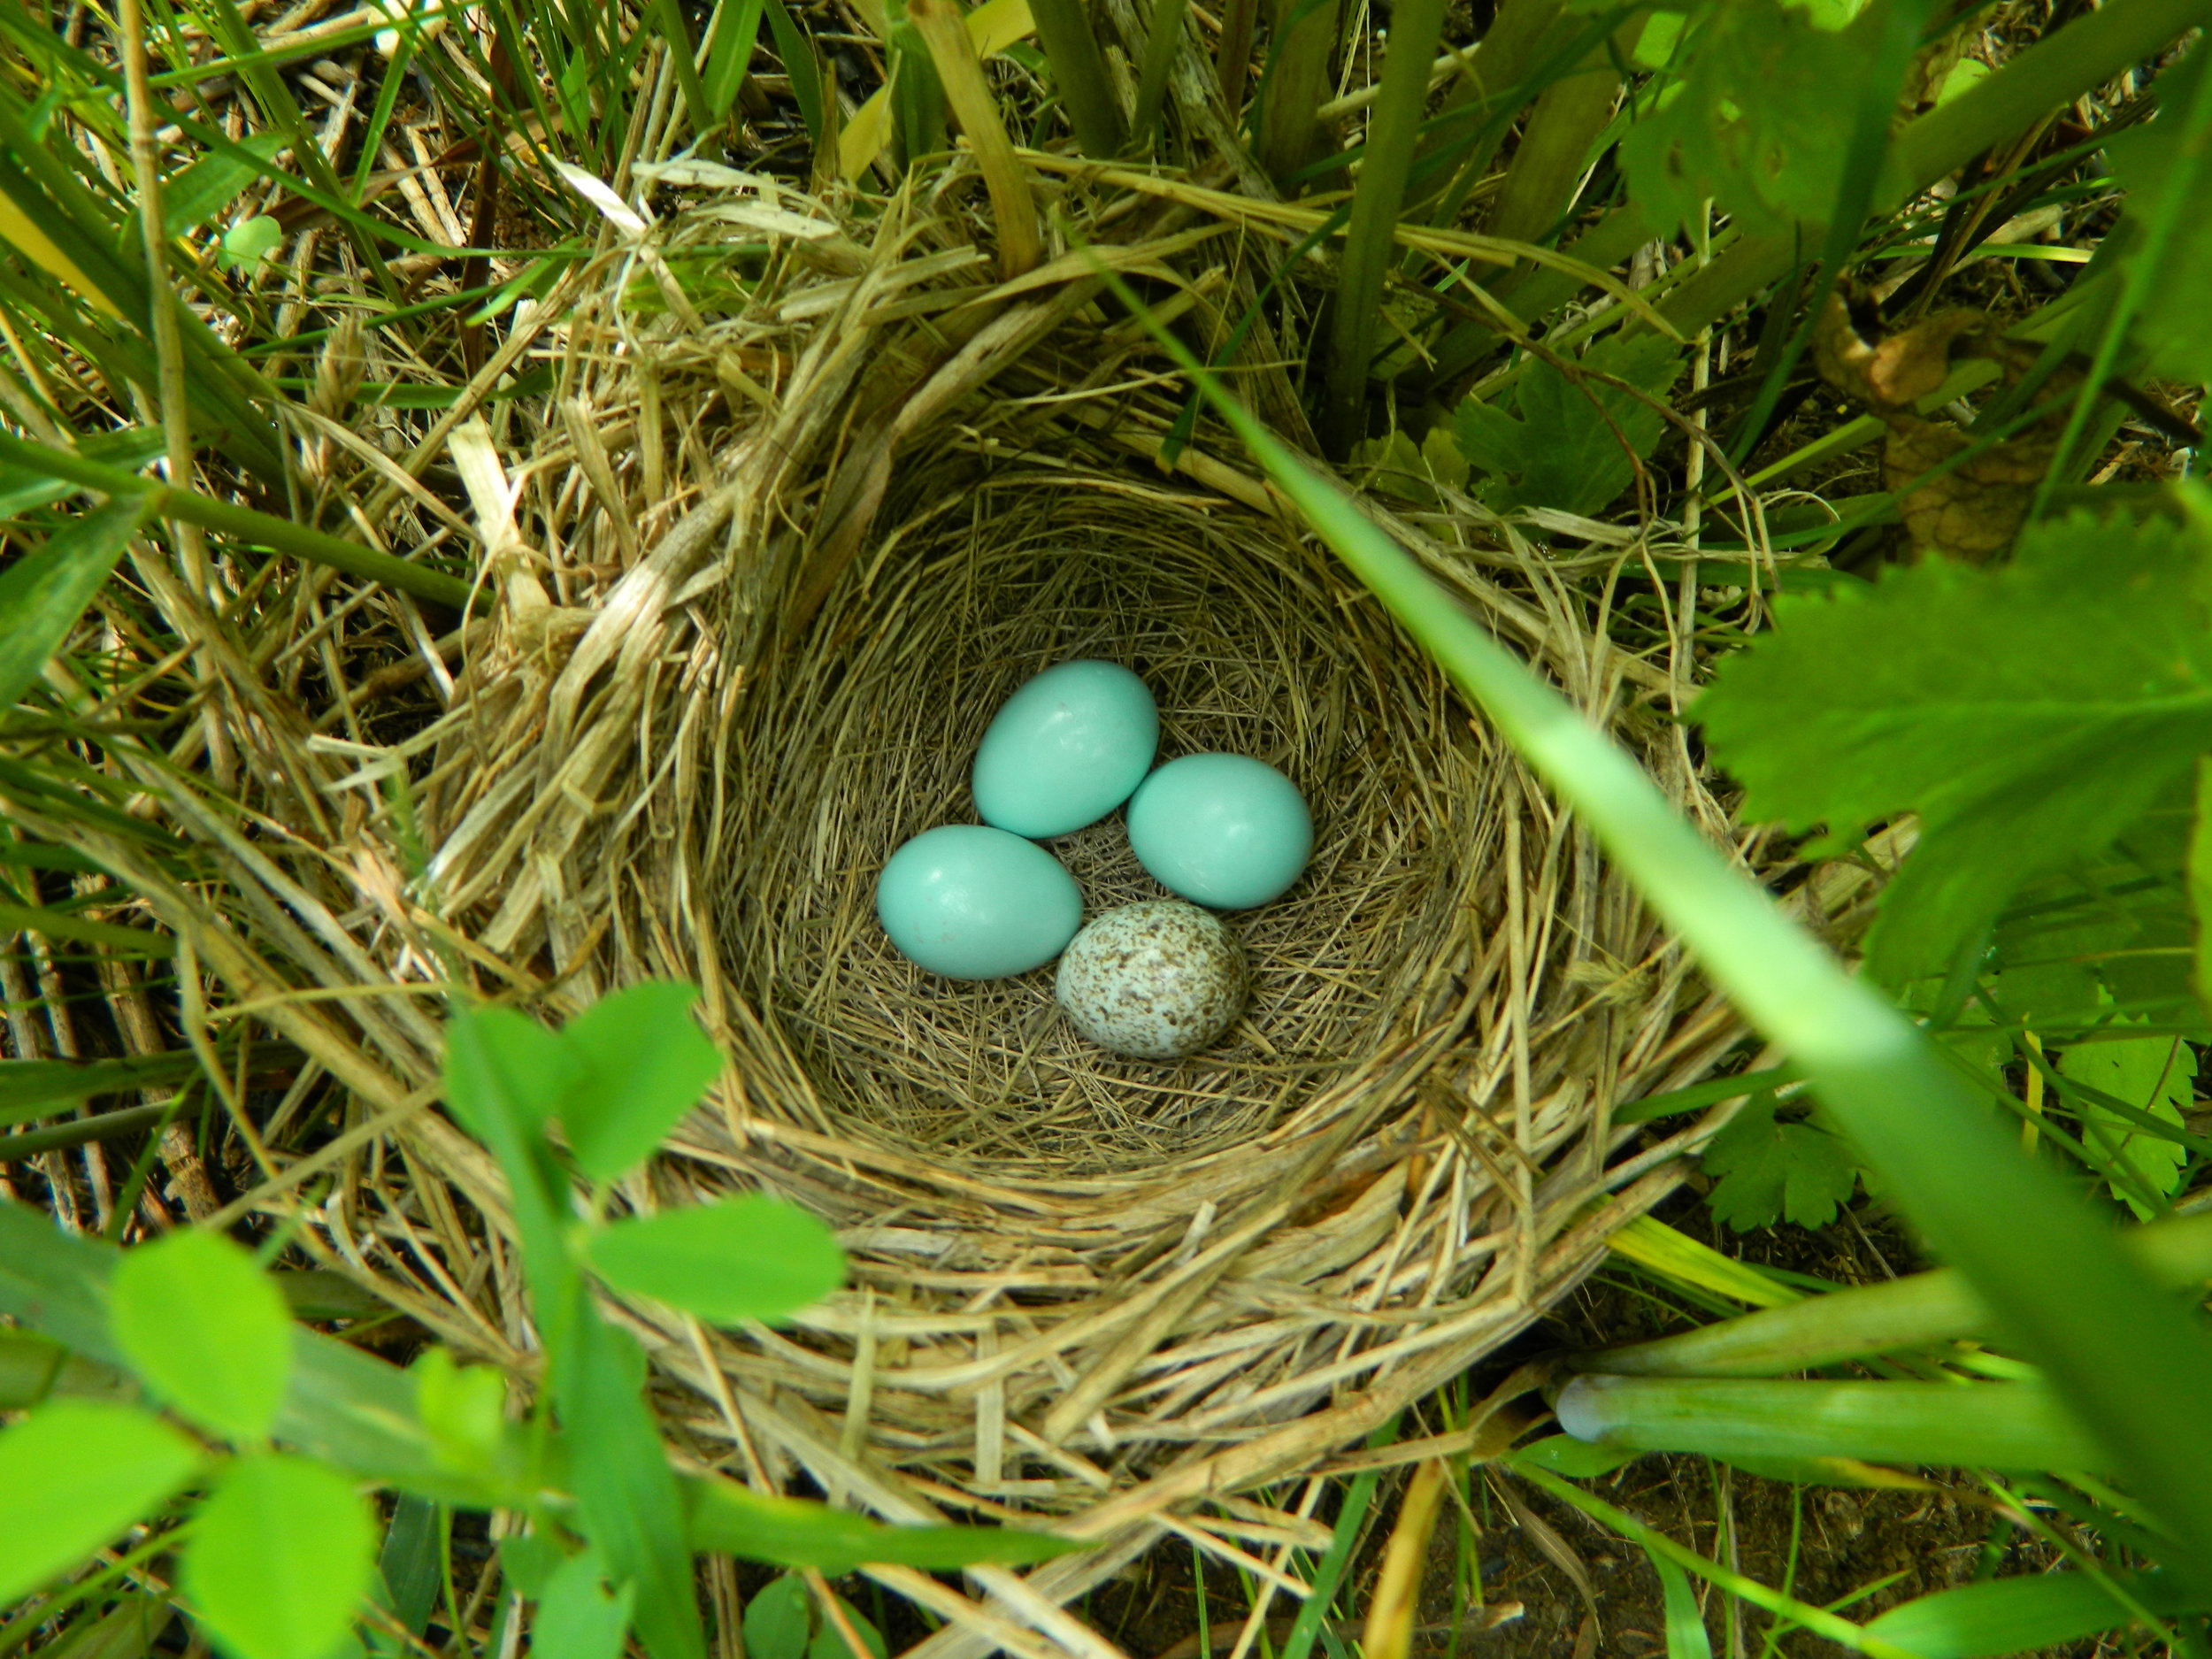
[{"x": 863, "y": 735}]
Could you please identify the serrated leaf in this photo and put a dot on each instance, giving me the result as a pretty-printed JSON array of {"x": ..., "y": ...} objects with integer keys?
[
  {"x": 73, "y": 1476},
  {"x": 2029, "y": 713},
  {"x": 280, "y": 1559},
  {"x": 648, "y": 1064},
  {"x": 207, "y": 1329},
  {"x": 2167, "y": 167},
  {"x": 1563, "y": 446},
  {"x": 743, "y": 1258},
  {"x": 2153, "y": 1073},
  {"x": 1757, "y": 119},
  {"x": 1769, "y": 1170}
]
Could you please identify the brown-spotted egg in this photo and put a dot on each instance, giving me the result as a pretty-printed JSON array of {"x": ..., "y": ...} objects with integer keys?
[{"x": 1156, "y": 981}]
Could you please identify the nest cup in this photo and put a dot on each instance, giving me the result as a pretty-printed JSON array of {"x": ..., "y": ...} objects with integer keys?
[
  {"x": 763, "y": 580},
  {"x": 863, "y": 735}
]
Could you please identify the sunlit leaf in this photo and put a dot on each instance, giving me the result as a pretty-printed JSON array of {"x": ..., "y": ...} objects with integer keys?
[
  {"x": 73, "y": 1476},
  {"x": 206, "y": 1327},
  {"x": 648, "y": 1064},
  {"x": 43, "y": 595},
  {"x": 743, "y": 1258},
  {"x": 280, "y": 1559},
  {"x": 2156, "y": 1074}
]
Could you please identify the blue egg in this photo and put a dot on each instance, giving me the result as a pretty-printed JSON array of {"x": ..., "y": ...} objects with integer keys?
[
  {"x": 976, "y": 903},
  {"x": 1224, "y": 830},
  {"x": 1066, "y": 750}
]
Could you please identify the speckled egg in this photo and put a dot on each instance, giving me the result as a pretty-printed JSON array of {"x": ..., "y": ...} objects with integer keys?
[{"x": 1156, "y": 981}]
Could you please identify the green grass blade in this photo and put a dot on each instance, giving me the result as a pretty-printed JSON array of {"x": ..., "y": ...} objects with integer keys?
[
  {"x": 161, "y": 500},
  {"x": 1079, "y": 73},
  {"x": 2131, "y": 1364},
  {"x": 43, "y": 595},
  {"x": 2027, "y": 1615},
  {"x": 1992, "y": 1425},
  {"x": 1416, "y": 25}
]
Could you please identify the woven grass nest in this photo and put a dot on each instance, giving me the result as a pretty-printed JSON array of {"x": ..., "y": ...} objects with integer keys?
[{"x": 761, "y": 578}]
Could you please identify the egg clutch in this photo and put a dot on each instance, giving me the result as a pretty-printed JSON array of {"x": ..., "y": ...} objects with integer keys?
[{"x": 1156, "y": 980}]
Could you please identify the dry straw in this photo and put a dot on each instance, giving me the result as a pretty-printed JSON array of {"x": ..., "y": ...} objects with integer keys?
[{"x": 757, "y": 583}]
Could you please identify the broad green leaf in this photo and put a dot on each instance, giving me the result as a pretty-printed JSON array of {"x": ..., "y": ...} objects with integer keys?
[
  {"x": 2165, "y": 165},
  {"x": 2029, "y": 713},
  {"x": 743, "y": 1258},
  {"x": 577, "y": 1618},
  {"x": 247, "y": 243},
  {"x": 207, "y": 1329},
  {"x": 73, "y": 1476},
  {"x": 2154, "y": 1074},
  {"x": 2029, "y": 1615},
  {"x": 1757, "y": 121},
  {"x": 42, "y": 593},
  {"x": 409, "y": 1562},
  {"x": 1769, "y": 1170},
  {"x": 530, "y": 1560},
  {"x": 210, "y": 184},
  {"x": 1996, "y": 1425},
  {"x": 1567, "y": 446},
  {"x": 1686, "y": 1635},
  {"x": 648, "y": 1064},
  {"x": 1563, "y": 1455},
  {"x": 281, "y": 1557},
  {"x": 627, "y": 1496},
  {"x": 780, "y": 1619},
  {"x": 829, "y": 1642},
  {"x": 126, "y": 1631},
  {"x": 462, "y": 1410},
  {"x": 527, "y": 1072},
  {"x": 733, "y": 1520}
]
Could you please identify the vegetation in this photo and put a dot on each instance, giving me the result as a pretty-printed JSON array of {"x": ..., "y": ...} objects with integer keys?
[{"x": 1843, "y": 360}]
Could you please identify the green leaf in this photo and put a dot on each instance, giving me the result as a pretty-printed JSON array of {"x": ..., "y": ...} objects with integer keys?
[
  {"x": 577, "y": 1618},
  {"x": 33, "y": 1088},
  {"x": 736, "y": 29},
  {"x": 743, "y": 1258},
  {"x": 281, "y": 1557},
  {"x": 43, "y": 595},
  {"x": 2029, "y": 713},
  {"x": 59, "y": 924},
  {"x": 210, "y": 184},
  {"x": 1563, "y": 1455},
  {"x": 648, "y": 1064},
  {"x": 734, "y": 1520},
  {"x": 128, "y": 1630},
  {"x": 462, "y": 1410},
  {"x": 2154, "y": 1073},
  {"x": 780, "y": 1620},
  {"x": 409, "y": 1562},
  {"x": 530, "y": 1560},
  {"x": 247, "y": 243},
  {"x": 1757, "y": 120},
  {"x": 627, "y": 1496},
  {"x": 527, "y": 1072},
  {"x": 73, "y": 1476},
  {"x": 23, "y": 489},
  {"x": 207, "y": 1329},
  {"x": 1686, "y": 1635},
  {"x": 2165, "y": 165},
  {"x": 1769, "y": 1170},
  {"x": 1564, "y": 449},
  {"x": 2018, "y": 1615},
  {"x": 829, "y": 1642}
]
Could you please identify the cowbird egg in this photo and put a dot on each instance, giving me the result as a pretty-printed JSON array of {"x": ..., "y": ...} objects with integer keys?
[
  {"x": 972, "y": 902},
  {"x": 1066, "y": 750},
  {"x": 1156, "y": 980},
  {"x": 1224, "y": 830}
]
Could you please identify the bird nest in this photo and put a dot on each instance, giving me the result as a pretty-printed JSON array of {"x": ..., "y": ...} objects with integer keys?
[{"x": 759, "y": 577}]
